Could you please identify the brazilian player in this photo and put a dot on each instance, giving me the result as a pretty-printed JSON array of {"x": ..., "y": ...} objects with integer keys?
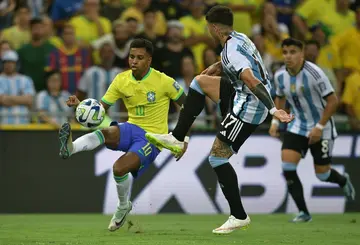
[{"x": 146, "y": 93}]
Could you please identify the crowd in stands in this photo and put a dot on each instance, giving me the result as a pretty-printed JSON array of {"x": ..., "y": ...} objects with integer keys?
[{"x": 50, "y": 49}]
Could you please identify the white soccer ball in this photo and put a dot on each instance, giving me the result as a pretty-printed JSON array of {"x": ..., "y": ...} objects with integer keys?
[{"x": 90, "y": 113}]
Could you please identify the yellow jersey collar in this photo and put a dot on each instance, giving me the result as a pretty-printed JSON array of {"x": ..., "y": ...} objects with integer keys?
[{"x": 142, "y": 79}]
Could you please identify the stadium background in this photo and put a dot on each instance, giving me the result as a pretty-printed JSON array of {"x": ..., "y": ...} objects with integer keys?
[{"x": 34, "y": 180}]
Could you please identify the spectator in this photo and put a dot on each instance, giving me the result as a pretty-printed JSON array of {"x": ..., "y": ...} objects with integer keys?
[
  {"x": 133, "y": 26},
  {"x": 120, "y": 41},
  {"x": 170, "y": 8},
  {"x": 63, "y": 10},
  {"x": 6, "y": 13},
  {"x": 168, "y": 59},
  {"x": 4, "y": 46},
  {"x": 19, "y": 34},
  {"x": 149, "y": 29},
  {"x": 196, "y": 33},
  {"x": 51, "y": 102},
  {"x": 312, "y": 52},
  {"x": 337, "y": 16},
  {"x": 348, "y": 45},
  {"x": 16, "y": 92},
  {"x": 137, "y": 12},
  {"x": 33, "y": 56},
  {"x": 97, "y": 79},
  {"x": 69, "y": 59},
  {"x": 285, "y": 10},
  {"x": 90, "y": 25},
  {"x": 37, "y": 7},
  {"x": 112, "y": 10},
  {"x": 49, "y": 32},
  {"x": 328, "y": 58},
  {"x": 243, "y": 9},
  {"x": 272, "y": 31},
  {"x": 351, "y": 99},
  {"x": 209, "y": 57}
]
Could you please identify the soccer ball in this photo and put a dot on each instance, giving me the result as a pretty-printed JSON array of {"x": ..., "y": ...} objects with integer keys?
[{"x": 90, "y": 113}]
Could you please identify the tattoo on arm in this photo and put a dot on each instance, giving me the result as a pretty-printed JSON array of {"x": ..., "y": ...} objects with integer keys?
[
  {"x": 221, "y": 149},
  {"x": 263, "y": 95}
]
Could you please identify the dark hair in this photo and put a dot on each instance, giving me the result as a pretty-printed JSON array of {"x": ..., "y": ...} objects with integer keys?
[
  {"x": 292, "y": 41},
  {"x": 35, "y": 21},
  {"x": 150, "y": 10},
  {"x": 131, "y": 19},
  {"x": 313, "y": 42},
  {"x": 220, "y": 15},
  {"x": 48, "y": 74},
  {"x": 143, "y": 43},
  {"x": 5, "y": 42},
  {"x": 22, "y": 6}
]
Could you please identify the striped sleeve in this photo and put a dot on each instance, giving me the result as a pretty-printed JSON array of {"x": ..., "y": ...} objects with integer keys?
[
  {"x": 40, "y": 101},
  {"x": 321, "y": 82},
  {"x": 28, "y": 86},
  {"x": 279, "y": 84}
]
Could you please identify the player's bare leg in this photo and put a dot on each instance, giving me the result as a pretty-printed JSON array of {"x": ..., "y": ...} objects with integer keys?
[
  {"x": 125, "y": 164},
  {"x": 86, "y": 142},
  {"x": 290, "y": 160},
  {"x": 327, "y": 174},
  {"x": 227, "y": 177},
  {"x": 201, "y": 86}
]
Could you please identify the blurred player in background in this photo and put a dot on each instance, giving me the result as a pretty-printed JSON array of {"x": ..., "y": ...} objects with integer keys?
[
  {"x": 146, "y": 93},
  {"x": 313, "y": 102},
  {"x": 247, "y": 101}
]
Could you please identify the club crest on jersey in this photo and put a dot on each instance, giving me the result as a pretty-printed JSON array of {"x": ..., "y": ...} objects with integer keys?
[
  {"x": 176, "y": 86},
  {"x": 151, "y": 96}
]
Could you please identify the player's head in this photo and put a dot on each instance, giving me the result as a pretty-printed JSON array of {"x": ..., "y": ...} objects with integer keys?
[
  {"x": 220, "y": 21},
  {"x": 312, "y": 50},
  {"x": 140, "y": 57},
  {"x": 293, "y": 52}
]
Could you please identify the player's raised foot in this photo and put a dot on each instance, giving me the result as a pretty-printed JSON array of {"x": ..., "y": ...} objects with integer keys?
[
  {"x": 119, "y": 217},
  {"x": 65, "y": 140},
  {"x": 167, "y": 141},
  {"x": 232, "y": 224},
  {"x": 301, "y": 218},
  {"x": 349, "y": 189}
]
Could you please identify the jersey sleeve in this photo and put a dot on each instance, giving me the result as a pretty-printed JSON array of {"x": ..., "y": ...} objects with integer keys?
[
  {"x": 279, "y": 84},
  {"x": 350, "y": 92},
  {"x": 113, "y": 93},
  {"x": 237, "y": 62},
  {"x": 323, "y": 85},
  {"x": 39, "y": 101},
  {"x": 172, "y": 88},
  {"x": 2, "y": 87},
  {"x": 29, "y": 87},
  {"x": 306, "y": 10}
]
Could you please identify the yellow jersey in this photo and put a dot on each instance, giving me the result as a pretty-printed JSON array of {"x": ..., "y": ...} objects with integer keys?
[
  {"x": 329, "y": 57},
  {"x": 16, "y": 37},
  {"x": 351, "y": 94},
  {"x": 147, "y": 100}
]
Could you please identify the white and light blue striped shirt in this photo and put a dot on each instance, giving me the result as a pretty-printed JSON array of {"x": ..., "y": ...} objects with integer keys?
[
  {"x": 55, "y": 107},
  {"x": 15, "y": 86},
  {"x": 306, "y": 93},
  {"x": 95, "y": 82},
  {"x": 239, "y": 53}
]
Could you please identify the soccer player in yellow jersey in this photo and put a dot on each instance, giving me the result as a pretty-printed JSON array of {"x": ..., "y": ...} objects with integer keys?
[{"x": 146, "y": 93}]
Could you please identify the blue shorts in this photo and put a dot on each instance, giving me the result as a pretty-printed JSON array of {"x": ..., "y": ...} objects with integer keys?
[{"x": 132, "y": 139}]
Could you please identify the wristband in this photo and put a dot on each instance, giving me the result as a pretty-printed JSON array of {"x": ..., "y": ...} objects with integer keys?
[
  {"x": 319, "y": 126},
  {"x": 273, "y": 110},
  {"x": 275, "y": 121},
  {"x": 186, "y": 139}
]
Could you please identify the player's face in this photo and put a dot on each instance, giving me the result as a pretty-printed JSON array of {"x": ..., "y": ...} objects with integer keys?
[
  {"x": 293, "y": 56},
  {"x": 139, "y": 60},
  {"x": 212, "y": 31}
]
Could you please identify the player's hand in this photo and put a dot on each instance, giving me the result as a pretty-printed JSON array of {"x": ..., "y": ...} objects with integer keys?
[
  {"x": 213, "y": 70},
  {"x": 283, "y": 116},
  {"x": 274, "y": 130},
  {"x": 315, "y": 135},
  {"x": 72, "y": 101},
  {"x": 178, "y": 157}
]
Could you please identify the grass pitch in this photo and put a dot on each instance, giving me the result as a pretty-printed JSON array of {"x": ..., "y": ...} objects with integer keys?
[{"x": 176, "y": 229}]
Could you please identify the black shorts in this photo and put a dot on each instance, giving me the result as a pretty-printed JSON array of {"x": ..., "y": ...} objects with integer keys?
[
  {"x": 227, "y": 94},
  {"x": 321, "y": 151},
  {"x": 232, "y": 131}
]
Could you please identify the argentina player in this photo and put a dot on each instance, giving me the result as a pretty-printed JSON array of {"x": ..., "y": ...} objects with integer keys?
[
  {"x": 248, "y": 102},
  {"x": 313, "y": 102}
]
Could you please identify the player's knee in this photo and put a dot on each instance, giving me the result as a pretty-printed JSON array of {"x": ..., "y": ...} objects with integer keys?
[
  {"x": 111, "y": 135},
  {"x": 322, "y": 172},
  {"x": 217, "y": 161},
  {"x": 119, "y": 170},
  {"x": 289, "y": 170},
  {"x": 196, "y": 84}
]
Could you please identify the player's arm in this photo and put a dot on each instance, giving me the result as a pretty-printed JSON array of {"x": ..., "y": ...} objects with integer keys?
[
  {"x": 213, "y": 70},
  {"x": 26, "y": 98}
]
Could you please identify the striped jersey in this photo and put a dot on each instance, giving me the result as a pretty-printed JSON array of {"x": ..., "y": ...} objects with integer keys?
[
  {"x": 239, "y": 53},
  {"x": 54, "y": 106},
  {"x": 306, "y": 93},
  {"x": 15, "y": 86},
  {"x": 95, "y": 82}
]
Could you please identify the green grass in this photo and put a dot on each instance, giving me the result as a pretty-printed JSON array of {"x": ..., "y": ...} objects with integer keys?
[{"x": 176, "y": 229}]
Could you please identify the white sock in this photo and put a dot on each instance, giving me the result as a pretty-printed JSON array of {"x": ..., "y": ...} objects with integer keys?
[
  {"x": 123, "y": 188},
  {"x": 88, "y": 142}
]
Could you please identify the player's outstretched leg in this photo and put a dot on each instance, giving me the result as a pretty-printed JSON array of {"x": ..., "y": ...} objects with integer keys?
[
  {"x": 327, "y": 174},
  {"x": 219, "y": 160},
  {"x": 201, "y": 86}
]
